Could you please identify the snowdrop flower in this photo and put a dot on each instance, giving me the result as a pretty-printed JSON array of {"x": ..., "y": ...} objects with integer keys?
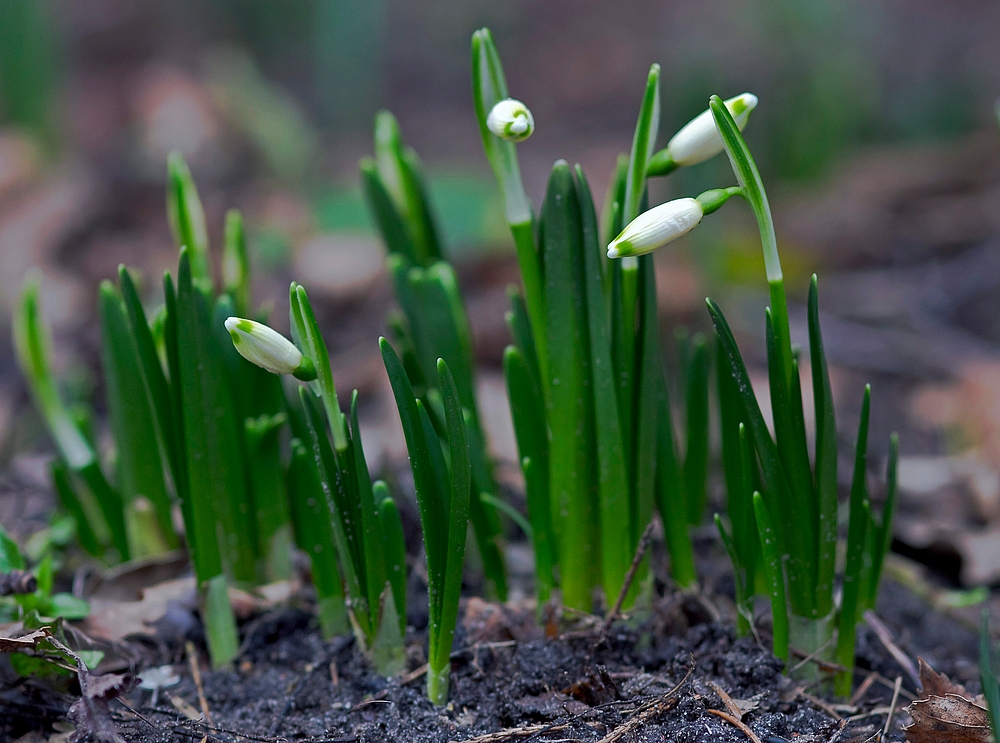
[
  {"x": 268, "y": 349},
  {"x": 511, "y": 120},
  {"x": 699, "y": 140},
  {"x": 655, "y": 228}
]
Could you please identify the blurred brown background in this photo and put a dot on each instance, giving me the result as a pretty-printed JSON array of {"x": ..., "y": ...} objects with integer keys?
[{"x": 876, "y": 135}]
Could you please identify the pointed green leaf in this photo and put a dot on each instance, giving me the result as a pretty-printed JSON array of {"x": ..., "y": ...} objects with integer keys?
[
  {"x": 140, "y": 469},
  {"x": 236, "y": 263},
  {"x": 775, "y": 577},
  {"x": 187, "y": 219},
  {"x": 826, "y": 455},
  {"x": 394, "y": 549}
]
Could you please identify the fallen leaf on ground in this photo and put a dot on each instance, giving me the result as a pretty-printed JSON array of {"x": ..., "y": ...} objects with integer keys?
[
  {"x": 24, "y": 642},
  {"x": 936, "y": 684},
  {"x": 944, "y": 713}
]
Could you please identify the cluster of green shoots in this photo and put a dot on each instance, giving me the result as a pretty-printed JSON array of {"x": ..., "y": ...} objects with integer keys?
[{"x": 208, "y": 435}]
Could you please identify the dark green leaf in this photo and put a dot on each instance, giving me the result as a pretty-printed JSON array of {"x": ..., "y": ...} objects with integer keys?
[
  {"x": 575, "y": 515},
  {"x": 394, "y": 549}
]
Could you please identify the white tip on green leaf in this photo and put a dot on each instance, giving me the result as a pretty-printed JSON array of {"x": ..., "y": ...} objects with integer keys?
[
  {"x": 655, "y": 228},
  {"x": 511, "y": 120},
  {"x": 699, "y": 140},
  {"x": 268, "y": 349}
]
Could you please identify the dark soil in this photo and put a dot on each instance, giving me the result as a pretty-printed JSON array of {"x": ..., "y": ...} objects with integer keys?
[{"x": 292, "y": 685}]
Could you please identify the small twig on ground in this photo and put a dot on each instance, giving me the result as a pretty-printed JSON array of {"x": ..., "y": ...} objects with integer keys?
[
  {"x": 860, "y": 692},
  {"x": 657, "y": 707},
  {"x": 134, "y": 712},
  {"x": 737, "y": 723},
  {"x": 409, "y": 678},
  {"x": 727, "y": 700},
  {"x": 885, "y": 637},
  {"x": 826, "y": 707},
  {"x": 640, "y": 552},
  {"x": 890, "y": 684},
  {"x": 416, "y": 673},
  {"x": 192, "y": 655},
  {"x": 249, "y": 633},
  {"x": 892, "y": 707},
  {"x": 367, "y": 703},
  {"x": 812, "y": 656},
  {"x": 840, "y": 730},
  {"x": 511, "y": 733}
]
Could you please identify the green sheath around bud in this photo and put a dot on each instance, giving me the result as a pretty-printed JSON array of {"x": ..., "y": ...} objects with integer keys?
[{"x": 269, "y": 349}]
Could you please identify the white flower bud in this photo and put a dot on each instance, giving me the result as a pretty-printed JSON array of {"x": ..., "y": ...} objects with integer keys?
[
  {"x": 268, "y": 348},
  {"x": 699, "y": 140},
  {"x": 511, "y": 120},
  {"x": 655, "y": 228}
]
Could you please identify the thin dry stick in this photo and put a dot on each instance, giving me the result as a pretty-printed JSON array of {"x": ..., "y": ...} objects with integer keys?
[
  {"x": 822, "y": 705},
  {"x": 640, "y": 552},
  {"x": 811, "y": 656},
  {"x": 739, "y": 724},
  {"x": 416, "y": 673},
  {"x": 860, "y": 692},
  {"x": 727, "y": 700},
  {"x": 192, "y": 655},
  {"x": 885, "y": 637},
  {"x": 892, "y": 707},
  {"x": 664, "y": 704},
  {"x": 504, "y": 735}
]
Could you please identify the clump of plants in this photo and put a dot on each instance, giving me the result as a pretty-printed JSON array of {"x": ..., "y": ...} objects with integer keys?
[
  {"x": 770, "y": 475},
  {"x": 204, "y": 428}
]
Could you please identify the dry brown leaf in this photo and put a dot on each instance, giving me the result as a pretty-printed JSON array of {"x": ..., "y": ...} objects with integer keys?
[
  {"x": 944, "y": 713},
  {"x": 936, "y": 684},
  {"x": 24, "y": 642},
  {"x": 186, "y": 709},
  {"x": 948, "y": 719}
]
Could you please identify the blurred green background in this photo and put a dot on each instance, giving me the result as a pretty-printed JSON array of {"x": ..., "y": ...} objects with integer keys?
[{"x": 286, "y": 91}]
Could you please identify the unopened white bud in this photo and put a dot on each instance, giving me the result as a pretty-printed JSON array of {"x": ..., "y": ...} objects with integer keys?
[
  {"x": 268, "y": 349},
  {"x": 699, "y": 140},
  {"x": 511, "y": 120},
  {"x": 655, "y": 228}
]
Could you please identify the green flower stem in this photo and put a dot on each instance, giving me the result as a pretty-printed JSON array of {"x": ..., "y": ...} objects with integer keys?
[
  {"x": 489, "y": 86},
  {"x": 307, "y": 334}
]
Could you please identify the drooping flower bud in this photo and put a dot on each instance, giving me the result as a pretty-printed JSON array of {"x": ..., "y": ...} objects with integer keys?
[
  {"x": 699, "y": 140},
  {"x": 269, "y": 349},
  {"x": 511, "y": 120},
  {"x": 655, "y": 228}
]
